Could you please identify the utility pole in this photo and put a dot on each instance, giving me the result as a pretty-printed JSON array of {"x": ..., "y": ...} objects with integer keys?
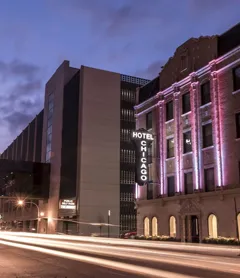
[{"x": 109, "y": 214}]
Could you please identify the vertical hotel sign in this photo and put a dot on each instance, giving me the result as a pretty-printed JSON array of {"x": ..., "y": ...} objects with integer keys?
[{"x": 142, "y": 140}]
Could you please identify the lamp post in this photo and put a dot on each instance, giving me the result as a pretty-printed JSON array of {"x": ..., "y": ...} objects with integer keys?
[
  {"x": 109, "y": 214},
  {"x": 22, "y": 203}
]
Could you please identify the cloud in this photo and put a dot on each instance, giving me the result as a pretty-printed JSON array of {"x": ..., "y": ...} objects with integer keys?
[
  {"x": 17, "y": 121},
  {"x": 21, "y": 96},
  {"x": 151, "y": 71},
  {"x": 17, "y": 68}
]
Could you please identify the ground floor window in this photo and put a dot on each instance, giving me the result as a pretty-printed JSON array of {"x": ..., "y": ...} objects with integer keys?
[
  {"x": 172, "y": 226},
  {"x": 146, "y": 226},
  {"x": 212, "y": 226},
  {"x": 154, "y": 226}
]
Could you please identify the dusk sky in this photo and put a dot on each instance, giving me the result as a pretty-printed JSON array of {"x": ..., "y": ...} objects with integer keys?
[{"x": 134, "y": 37}]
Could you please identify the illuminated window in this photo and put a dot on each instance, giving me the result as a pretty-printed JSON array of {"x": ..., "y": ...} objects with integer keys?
[
  {"x": 207, "y": 135},
  {"x": 187, "y": 142},
  {"x": 154, "y": 226},
  {"x": 238, "y": 223},
  {"x": 212, "y": 226},
  {"x": 236, "y": 78},
  {"x": 172, "y": 226},
  {"x": 186, "y": 105},
  {"x": 169, "y": 110},
  {"x": 205, "y": 93},
  {"x": 170, "y": 148},
  {"x": 238, "y": 125},
  {"x": 146, "y": 226}
]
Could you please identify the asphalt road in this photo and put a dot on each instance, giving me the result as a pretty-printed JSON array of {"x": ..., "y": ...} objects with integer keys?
[{"x": 54, "y": 256}]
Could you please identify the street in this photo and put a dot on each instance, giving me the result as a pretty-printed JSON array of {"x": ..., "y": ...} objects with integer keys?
[{"x": 60, "y": 256}]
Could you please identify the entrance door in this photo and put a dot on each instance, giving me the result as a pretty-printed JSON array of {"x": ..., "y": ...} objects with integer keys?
[
  {"x": 195, "y": 228},
  {"x": 191, "y": 228}
]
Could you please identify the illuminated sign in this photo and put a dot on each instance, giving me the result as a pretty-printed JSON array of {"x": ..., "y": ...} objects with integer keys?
[
  {"x": 143, "y": 140},
  {"x": 67, "y": 204}
]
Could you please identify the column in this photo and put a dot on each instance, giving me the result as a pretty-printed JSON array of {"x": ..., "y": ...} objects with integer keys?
[
  {"x": 196, "y": 133},
  {"x": 161, "y": 147},
  {"x": 177, "y": 139},
  {"x": 189, "y": 227},
  {"x": 217, "y": 126}
]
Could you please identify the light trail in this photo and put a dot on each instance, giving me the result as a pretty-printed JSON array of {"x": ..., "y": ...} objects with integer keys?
[
  {"x": 124, "y": 267},
  {"x": 232, "y": 250},
  {"x": 173, "y": 258}
]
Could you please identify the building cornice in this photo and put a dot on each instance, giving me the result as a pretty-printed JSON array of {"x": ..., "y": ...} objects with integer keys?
[{"x": 198, "y": 73}]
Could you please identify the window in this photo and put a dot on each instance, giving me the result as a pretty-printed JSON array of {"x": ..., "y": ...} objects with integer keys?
[
  {"x": 238, "y": 124},
  {"x": 172, "y": 226},
  {"x": 207, "y": 135},
  {"x": 128, "y": 95},
  {"x": 170, "y": 148},
  {"x": 188, "y": 183},
  {"x": 209, "y": 179},
  {"x": 187, "y": 142},
  {"x": 205, "y": 93},
  {"x": 149, "y": 191},
  {"x": 146, "y": 227},
  {"x": 149, "y": 120},
  {"x": 236, "y": 78},
  {"x": 125, "y": 134},
  {"x": 127, "y": 115},
  {"x": 154, "y": 226},
  {"x": 212, "y": 226},
  {"x": 169, "y": 110},
  {"x": 171, "y": 186},
  {"x": 49, "y": 127},
  {"x": 186, "y": 105}
]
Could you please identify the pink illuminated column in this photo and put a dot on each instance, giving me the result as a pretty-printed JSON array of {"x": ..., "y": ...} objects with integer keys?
[
  {"x": 177, "y": 138},
  {"x": 217, "y": 126},
  {"x": 161, "y": 146},
  {"x": 196, "y": 132}
]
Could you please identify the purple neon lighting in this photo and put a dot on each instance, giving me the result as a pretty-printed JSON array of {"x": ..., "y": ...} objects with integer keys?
[
  {"x": 177, "y": 140},
  {"x": 161, "y": 146},
  {"x": 136, "y": 191},
  {"x": 196, "y": 135},
  {"x": 217, "y": 125}
]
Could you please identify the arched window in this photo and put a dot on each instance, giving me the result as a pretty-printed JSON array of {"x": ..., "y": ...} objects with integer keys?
[
  {"x": 212, "y": 226},
  {"x": 154, "y": 226},
  {"x": 146, "y": 226},
  {"x": 238, "y": 222},
  {"x": 172, "y": 226}
]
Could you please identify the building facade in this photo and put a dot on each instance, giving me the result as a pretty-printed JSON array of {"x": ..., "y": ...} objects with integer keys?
[
  {"x": 194, "y": 188},
  {"x": 87, "y": 121}
]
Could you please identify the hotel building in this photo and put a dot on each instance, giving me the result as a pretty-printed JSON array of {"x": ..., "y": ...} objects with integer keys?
[{"x": 194, "y": 172}]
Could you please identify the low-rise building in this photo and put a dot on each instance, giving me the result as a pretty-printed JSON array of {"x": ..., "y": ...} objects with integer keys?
[{"x": 193, "y": 190}]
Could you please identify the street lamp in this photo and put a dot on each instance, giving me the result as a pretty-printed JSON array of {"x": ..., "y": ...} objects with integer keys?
[
  {"x": 109, "y": 214},
  {"x": 22, "y": 203}
]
